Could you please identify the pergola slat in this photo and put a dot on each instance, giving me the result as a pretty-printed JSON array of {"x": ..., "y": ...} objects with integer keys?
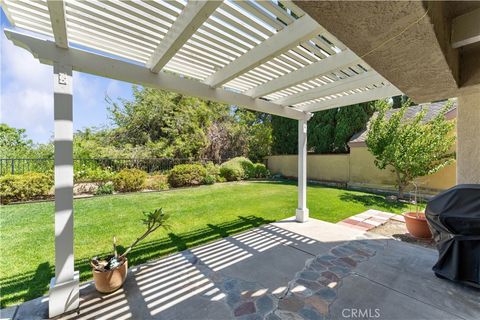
[
  {"x": 83, "y": 12},
  {"x": 58, "y": 21},
  {"x": 301, "y": 75},
  {"x": 382, "y": 92},
  {"x": 338, "y": 86},
  {"x": 299, "y": 31},
  {"x": 187, "y": 23}
]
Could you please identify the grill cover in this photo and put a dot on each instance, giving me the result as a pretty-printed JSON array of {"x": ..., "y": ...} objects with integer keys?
[{"x": 454, "y": 219}]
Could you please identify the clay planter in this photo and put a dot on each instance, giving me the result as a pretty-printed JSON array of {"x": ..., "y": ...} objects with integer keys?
[
  {"x": 417, "y": 226},
  {"x": 111, "y": 280}
]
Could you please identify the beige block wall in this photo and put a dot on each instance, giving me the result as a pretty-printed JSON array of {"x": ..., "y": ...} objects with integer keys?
[
  {"x": 364, "y": 172},
  {"x": 356, "y": 169},
  {"x": 319, "y": 167}
]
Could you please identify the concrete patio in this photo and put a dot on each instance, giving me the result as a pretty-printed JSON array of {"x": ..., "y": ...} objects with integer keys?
[{"x": 283, "y": 270}]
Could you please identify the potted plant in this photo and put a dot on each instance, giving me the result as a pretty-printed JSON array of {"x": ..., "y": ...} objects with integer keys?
[
  {"x": 110, "y": 273},
  {"x": 416, "y": 222}
]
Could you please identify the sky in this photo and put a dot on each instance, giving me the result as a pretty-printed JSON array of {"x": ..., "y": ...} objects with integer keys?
[{"x": 26, "y": 93}]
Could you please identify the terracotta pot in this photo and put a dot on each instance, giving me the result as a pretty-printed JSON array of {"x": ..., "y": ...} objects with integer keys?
[
  {"x": 111, "y": 280},
  {"x": 417, "y": 226}
]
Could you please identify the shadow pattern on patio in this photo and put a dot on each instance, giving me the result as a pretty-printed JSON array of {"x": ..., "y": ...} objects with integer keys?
[
  {"x": 26, "y": 286},
  {"x": 272, "y": 272}
]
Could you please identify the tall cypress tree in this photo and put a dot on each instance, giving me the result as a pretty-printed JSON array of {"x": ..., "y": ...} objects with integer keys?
[{"x": 328, "y": 131}]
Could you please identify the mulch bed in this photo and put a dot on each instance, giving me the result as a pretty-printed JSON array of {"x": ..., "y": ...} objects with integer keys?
[{"x": 398, "y": 231}]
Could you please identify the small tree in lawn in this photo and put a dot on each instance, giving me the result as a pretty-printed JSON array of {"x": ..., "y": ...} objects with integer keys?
[{"x": 411, "y": 147}]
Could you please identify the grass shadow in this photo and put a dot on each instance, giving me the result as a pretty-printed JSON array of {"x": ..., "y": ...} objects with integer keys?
[
  {"x": 372, "y": 200},
  {"x": 30, "y": 285}
]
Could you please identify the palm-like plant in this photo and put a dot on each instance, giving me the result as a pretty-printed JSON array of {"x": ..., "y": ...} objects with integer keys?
[{"x": 153, "y": 220}]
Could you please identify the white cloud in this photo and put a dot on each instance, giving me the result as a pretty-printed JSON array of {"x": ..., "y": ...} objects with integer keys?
[{"x": 27, "y": 98}]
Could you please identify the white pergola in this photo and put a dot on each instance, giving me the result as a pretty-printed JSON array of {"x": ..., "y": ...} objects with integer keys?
[{"x": 267, "y": 56}]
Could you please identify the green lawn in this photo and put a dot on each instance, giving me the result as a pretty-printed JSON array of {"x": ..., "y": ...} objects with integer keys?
[{"x": 198, "y": 215}]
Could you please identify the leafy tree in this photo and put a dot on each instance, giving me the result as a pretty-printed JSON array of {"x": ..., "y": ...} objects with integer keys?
[
  {"x": 159, "y": 123},
  {"x": 348, "y": 121},
  {"x": 328, "y": 131},
  {"x": 284, "y": 135},
  {"x": 258, "y": 127},
  {"x": 411, "y": 147},
  {"x": 321, "y": 131},
  {"x": 14, "y": 142},
  {"x": 398, "y": 101}
]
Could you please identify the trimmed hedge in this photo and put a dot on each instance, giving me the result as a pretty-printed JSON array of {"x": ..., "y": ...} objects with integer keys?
[
  {"x": 128, "y": 180},
  {"x": 261, "y": 171},
  {"x": 31, "y": 186},
  {"x": 157, "y": 182},
  {"x": 237, "y": 169},
  {"x": 93, "y": 175},
  {"x": 106, "y": 188},
  {"x": 187, "y": 175},
  {"x": 23, "y": 187}
]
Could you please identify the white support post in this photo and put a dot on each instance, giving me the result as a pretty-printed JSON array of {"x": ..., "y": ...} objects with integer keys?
[
  {"x": 64, "y": 288},
  {"x": 302, "y": 210}
]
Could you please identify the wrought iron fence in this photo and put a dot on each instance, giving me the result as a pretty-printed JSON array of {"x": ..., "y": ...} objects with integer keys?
[{"x": 19, "y": 166}]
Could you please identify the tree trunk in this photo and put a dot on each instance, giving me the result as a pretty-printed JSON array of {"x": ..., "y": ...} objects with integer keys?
[
  {"x": 401, "y": 190},
  {"x": 401, "y": 185}
]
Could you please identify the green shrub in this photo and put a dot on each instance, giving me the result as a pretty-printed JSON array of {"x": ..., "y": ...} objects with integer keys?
[
  {"x": 129, "y": 180},
  {"x": 157, "y": 182},
  {"x": 209, "y": 179},
  {"x": 187, "y": 175},
  {"x": 22, "y": 187},
  {"x": 93, "y": 175},
  {"x": 232, "y": 172},
  {"x": 213, "y": 170},
  {"x": 106, "y": 188},
  {"x": 237, "y": 169},
  {"x": 261, "y": 171}
]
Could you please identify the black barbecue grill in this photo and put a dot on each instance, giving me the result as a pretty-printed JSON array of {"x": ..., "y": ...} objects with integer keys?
[{"x": 454, "y": 219}]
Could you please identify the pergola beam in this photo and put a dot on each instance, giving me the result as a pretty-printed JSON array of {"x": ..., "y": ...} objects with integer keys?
[
  {"x": 300, "y": 30},
  {"x": 309, "y": 72},
  {"x": 339, "y": 86},
  {"x": 466, "y": 29},
  {"x": 383, "y": 92},
  {"x": 192, "y": 17},
  {"x": 96, "y": 64},
  {"x": 56, "y": 9}
]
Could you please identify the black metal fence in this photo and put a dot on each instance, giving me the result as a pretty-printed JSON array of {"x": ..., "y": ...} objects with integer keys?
[{"x": 19, "y": 166}]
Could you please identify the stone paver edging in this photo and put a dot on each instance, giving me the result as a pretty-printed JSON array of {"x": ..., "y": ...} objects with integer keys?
[
  {"x": 314, "y": 288},
  {"x": 370, "y": 219}
]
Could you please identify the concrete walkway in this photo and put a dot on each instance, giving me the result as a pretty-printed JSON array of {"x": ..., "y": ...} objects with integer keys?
[{"x": 284, "y": 270}]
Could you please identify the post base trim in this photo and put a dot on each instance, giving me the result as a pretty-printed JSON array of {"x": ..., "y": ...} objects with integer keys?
[
  {"x": 302, "y": 214},
  {"x": 64, "y": 296}
]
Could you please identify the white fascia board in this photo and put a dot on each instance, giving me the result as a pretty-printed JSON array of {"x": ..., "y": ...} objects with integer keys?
[
  {"x": 47, "y": 52},
  {"x": 358, "y": 81},
  {"x": 466, "y": 29},
  {"x": 300, "y": 30},
  {"x": 190, "y": 19},
  {"x": 56, "y": 9},
  {"x": 309, "y": 72},
  {"x": 383, "y": 92}
]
